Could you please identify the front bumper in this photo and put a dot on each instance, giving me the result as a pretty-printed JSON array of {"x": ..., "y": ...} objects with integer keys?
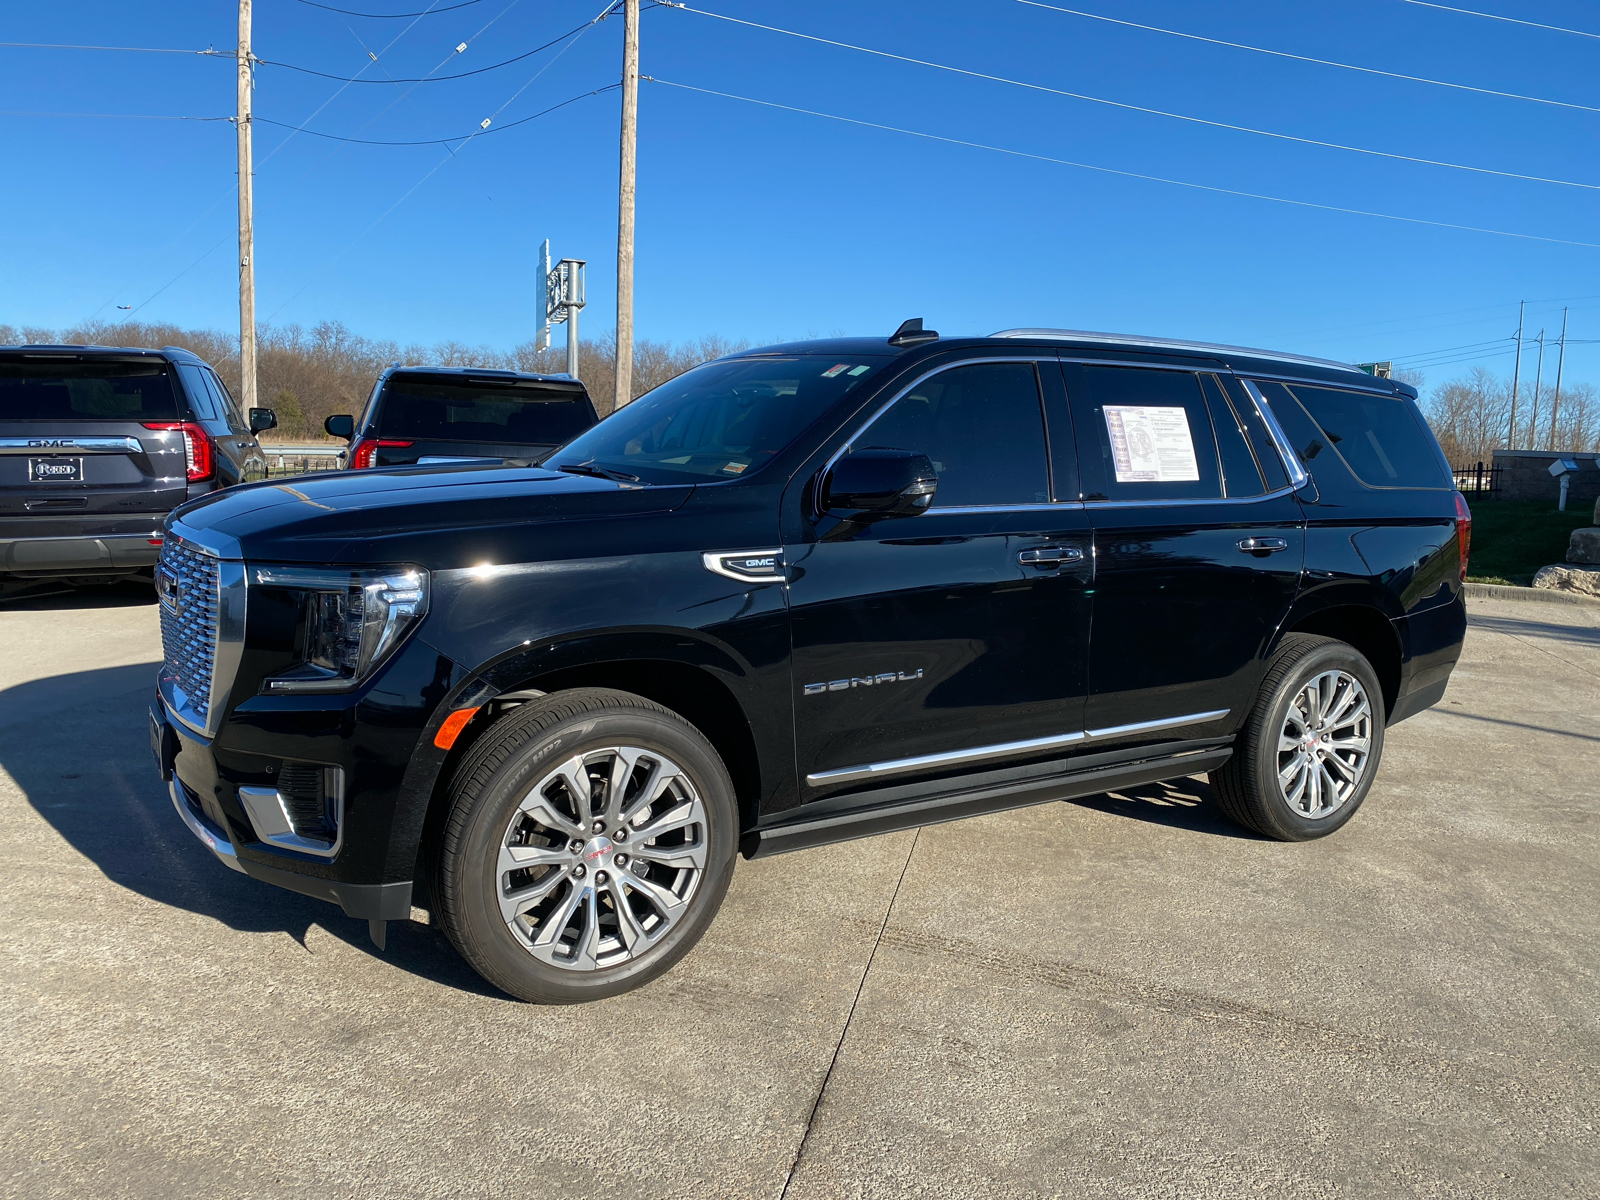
[{"x": 224, "y": 833}]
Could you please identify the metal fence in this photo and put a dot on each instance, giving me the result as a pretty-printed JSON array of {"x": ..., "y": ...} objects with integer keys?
[
  {"x": 298, "y": 458},
  {"x": 1479, "y": 481}
]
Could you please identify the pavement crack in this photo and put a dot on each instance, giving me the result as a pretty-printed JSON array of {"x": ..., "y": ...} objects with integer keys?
[{"x": 811, "y": 1119}]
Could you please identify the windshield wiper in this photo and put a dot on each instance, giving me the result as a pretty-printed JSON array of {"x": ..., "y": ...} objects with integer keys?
[{"x": 589, "y": 468}]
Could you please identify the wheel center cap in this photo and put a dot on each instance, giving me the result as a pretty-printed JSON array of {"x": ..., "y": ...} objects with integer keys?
[{"x": 597, "y": 852}]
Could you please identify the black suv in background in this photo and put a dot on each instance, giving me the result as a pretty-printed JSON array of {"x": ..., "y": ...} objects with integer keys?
[
  {"x": 800, "y": 594},
  {"x": 98, "y": 444},
  {"x": 463, "y": 415}
]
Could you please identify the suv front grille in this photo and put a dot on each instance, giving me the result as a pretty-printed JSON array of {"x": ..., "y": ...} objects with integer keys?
[{"x": 190, "y": 600}]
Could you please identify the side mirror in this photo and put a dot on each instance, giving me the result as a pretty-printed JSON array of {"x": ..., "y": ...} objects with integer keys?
[
  {"x": 870, "y": 485},
  {"x": 262, "y": 419},
  {"x": 340, "y": 425}
]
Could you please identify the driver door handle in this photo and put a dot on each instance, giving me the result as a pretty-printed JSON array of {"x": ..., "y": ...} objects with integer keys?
[{"x": 1263, "y": 545}]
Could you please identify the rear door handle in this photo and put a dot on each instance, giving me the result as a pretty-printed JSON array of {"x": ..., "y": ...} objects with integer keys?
[
  {"x": 1263, "y": 545},
  {"x": 1050, "y": 556}
]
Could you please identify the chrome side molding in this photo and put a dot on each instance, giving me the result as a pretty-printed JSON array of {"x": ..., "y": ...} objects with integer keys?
[{"x": 1004, "y": 749}]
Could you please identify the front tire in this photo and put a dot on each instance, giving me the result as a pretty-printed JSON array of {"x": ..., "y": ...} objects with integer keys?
[
  {"x": 589, "y": 843},
  {"x": 1310, "y": 748}
]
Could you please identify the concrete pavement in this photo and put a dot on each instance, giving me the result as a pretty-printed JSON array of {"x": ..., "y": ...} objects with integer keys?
[{"x": 1119, "y": 997}]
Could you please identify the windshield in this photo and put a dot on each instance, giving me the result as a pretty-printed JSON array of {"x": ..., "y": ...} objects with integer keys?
[
  {"x": 74, "y": 390},
  {"x": 719, "y": 421},
  {"x": 481, "y": 411}
]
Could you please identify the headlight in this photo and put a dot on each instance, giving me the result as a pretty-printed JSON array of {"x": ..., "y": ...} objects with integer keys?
[{"x": 353, "y": 620}]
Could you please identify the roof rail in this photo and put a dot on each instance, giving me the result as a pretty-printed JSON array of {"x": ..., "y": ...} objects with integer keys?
[{"x": 1155, "y": 343}]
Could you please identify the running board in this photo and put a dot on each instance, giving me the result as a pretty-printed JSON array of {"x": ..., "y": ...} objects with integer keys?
[{"x": 954, "y": 806}]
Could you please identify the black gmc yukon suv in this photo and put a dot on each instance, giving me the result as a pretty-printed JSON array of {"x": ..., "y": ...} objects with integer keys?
[
  {"x": 801, "y": 594},
  {"x": 98, "y": 444}
]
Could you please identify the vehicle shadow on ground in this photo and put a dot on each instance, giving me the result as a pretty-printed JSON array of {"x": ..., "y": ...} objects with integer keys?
[
  {"x": 78, "y": 746},
  {"x": 37, "y": 595},
  {"x": 1177, "y": 803}
]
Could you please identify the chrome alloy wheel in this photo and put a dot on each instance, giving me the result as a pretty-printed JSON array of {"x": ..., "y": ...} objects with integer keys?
[
  {"x": 1324, "y": 745},
  {"x": 602, "y": 858}
]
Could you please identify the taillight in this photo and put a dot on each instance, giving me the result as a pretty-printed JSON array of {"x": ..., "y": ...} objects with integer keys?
[
  {"x": 199, "y": 454},
  {"x": 1463, "y": 531},
  {"x": 365, "y": 450}
]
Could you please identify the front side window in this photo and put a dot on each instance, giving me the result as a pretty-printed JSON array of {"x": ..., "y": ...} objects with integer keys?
[
  {"x": 1378, "y": 437},
  {"x": 981, "y": 426},
  {"x": 723, "y": 420},
  {"x": 465, "y": 410},
  {"x": 76, "y": 390},
  {"x": 1146, "y": 433}
]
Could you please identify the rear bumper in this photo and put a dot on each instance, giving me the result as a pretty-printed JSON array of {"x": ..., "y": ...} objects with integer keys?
[
  {"x": 1431, "y": 643},
  {"x": 88, "y": 547}
]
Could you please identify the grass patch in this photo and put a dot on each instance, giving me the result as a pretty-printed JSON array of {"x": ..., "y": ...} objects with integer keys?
[{"x": 1512, "y": 539}]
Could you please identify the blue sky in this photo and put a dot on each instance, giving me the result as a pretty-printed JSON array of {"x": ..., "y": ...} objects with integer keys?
[{"x": 760, "y": 223}]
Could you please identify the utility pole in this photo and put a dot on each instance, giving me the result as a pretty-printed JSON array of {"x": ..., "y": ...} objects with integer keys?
[
  {"x": 1538, "y": 376},
  {"x": 630, "y": 131},
  {"x": 247, "y": 221},
  {"x": 1516, "y": 375},
  {"x": 1555, "y": 407}
]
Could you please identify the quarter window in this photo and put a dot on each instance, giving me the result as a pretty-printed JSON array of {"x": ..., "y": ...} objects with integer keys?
[
  {"x": 1377, "y": 436},
  {"x": 982, "y": 427}
]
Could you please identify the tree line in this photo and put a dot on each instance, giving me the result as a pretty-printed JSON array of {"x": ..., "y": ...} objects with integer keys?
[{"x": 307, "y": 375}]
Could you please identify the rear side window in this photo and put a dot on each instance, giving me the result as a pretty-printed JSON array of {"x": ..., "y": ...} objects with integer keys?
[
  {"x": 983, "y": 429},
  {"x": 68, "y": 390},
  {"x": 1379, "y": 437},
  {"x": 200, "y": 396},
  {"x": 465, "y": 411},
  {"x": 1142, "y": 434}
]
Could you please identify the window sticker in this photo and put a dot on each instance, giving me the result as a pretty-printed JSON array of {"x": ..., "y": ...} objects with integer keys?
[
  {"x": 1151, "y": 445},
  {"x": 735, "y": 468},
  {"x": 835, "y": 369},
  {"x": 861, "y": 370}
]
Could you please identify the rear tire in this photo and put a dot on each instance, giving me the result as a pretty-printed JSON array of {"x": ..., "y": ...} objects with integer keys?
[
  {"x": 1311, "y": 746},
  {"x": 589, "y": 843}
]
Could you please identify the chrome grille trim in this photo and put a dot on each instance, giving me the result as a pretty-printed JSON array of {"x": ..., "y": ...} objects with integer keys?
[
  {"x": 189, "y": 631},
  {"x": 202, "y": 634}
]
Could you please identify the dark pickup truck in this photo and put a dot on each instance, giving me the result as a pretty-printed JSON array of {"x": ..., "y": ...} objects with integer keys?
[
  {"x": 444, "y": 415},
  {"x": 98, "y": 444}
]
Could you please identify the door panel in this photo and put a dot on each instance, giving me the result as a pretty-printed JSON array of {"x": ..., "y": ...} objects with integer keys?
[
  {"x": 961, "y": 628},
  {"x": 1190, "y": 584}
]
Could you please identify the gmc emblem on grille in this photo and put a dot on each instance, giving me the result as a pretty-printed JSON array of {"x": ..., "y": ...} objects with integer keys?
[{"x": 169, "y": 590}]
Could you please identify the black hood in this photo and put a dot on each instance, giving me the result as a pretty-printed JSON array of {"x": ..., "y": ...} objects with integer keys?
[{"x": 439, "y": 517}]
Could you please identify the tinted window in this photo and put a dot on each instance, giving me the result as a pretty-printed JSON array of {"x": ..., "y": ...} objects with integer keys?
[
  {"x": 224, "y": 401},
  {"x": 1143, "y": 434},
  {"x": 1241, "y": 476},
  {"x": 1377, "y": 436},
  {"x": 1266, "y": 450},
  {"x": 85, "y": 391},
  {"x": 201, "y": 398},
  {"x": 981, "y": 426},
  {"x": 414, "y": 406},
  {"x": 718, "y": 421}
]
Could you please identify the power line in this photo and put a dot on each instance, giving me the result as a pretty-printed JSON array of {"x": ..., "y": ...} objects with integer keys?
[
  {"x": 463, "y": 137},
  {"x": 430, "y": 77},
  {"x": 427, "y": 12},
  {"x": 1202, "y": 187},
  {"x": 449, "y": 154},
  {"x": 1325, "y": 62},
  {"x": 1471, "y": 12},
  {"x": 208, "y": 53},
  {"x": 1038, "y": 87},
  {"x": 109, "y": 116}
]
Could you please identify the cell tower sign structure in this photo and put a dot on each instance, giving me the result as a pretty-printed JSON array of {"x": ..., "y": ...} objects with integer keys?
[{"x": 563, "y": 297}]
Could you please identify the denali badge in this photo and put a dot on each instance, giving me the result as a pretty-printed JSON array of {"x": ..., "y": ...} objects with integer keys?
[{"x": 844, "y": 685}]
